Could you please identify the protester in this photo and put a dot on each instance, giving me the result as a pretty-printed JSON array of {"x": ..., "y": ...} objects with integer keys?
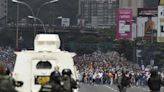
[{"x": 102, "y": 67}]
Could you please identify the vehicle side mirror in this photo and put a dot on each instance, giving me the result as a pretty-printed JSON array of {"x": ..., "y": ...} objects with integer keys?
[{"x": 18, "y": 83}]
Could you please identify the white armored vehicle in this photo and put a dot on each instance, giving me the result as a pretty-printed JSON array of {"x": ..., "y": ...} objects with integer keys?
[{"x": 32, "y": 68}]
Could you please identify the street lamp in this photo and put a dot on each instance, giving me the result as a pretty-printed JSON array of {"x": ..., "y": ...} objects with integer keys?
[
  {"x": 20, "y": 2},
  {"x": 52, "y": 1},
  {"x": 33, "y": 14},
  {"x": 33, "y": 17}
]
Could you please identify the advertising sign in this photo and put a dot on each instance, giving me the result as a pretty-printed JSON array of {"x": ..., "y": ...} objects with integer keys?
[
  {"x": 124, "y": 23},
  {"x": 81, "y": 22},
  {"x": 160, "y": 32},
  {"x": 144, "y": 12},
  {"x": 147, "y": 22},
  {"x": 65, "y": 22},
  {"x": 146, "y": 25}
]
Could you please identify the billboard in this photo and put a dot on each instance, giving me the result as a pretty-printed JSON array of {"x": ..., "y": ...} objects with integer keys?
[
  {"x": 144, "y": 12},
  {"x": 124, "y": 23},
  {"x": 65, "y": 22},
  {"x": 160, "y": 32},
  {"x": 146, "y": 25}
]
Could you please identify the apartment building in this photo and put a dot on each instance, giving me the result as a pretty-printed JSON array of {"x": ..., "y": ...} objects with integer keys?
[
  {"x": 133, "y": 4},
  {"x": 98, "y": 13}
]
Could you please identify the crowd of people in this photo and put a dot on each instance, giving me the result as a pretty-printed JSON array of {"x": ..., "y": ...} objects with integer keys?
[
  {"x": 102, "y": 68},
  {"x": 7, "y": 57},
  {"x": 108, "y": 68}
]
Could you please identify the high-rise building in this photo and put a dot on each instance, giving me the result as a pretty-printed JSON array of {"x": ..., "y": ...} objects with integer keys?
[
  {"x": 133, "y": 4},
  {"x": 151, "y": 3},
  {"x": 98, "y": 13},
  {"x": 3, "y": 10}
]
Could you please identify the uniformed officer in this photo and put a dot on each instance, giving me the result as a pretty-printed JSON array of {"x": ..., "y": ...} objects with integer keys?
[
  {"x": 54, "y": 84},
  {"x": 68, "y": 82},
  {"x": 155, "y": 82},
  {"x": 6, "y": 82}
]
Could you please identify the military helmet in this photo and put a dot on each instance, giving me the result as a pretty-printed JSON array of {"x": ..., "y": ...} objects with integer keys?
[
  {"x": 55, "y": 75},
  {"x": 66, "y": 72}
]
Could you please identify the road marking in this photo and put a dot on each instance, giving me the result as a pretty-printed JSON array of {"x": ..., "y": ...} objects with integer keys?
[
  {"x": 144, "y": 89},
  {"x": 111, "y": 88}
]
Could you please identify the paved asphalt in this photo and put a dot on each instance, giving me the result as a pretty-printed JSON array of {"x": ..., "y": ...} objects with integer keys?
[{"x": 107, "y": 88}]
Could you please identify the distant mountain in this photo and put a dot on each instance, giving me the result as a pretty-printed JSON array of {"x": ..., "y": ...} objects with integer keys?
[{"x": 48, "y": 13}]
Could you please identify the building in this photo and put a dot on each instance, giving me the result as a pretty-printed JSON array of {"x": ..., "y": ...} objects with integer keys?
[
  {"x": 133, "y": 4},
  {"x": 152, "y": 3},
  {"x": 98, "y": 13},
  {"x": 3, "y": 11}
]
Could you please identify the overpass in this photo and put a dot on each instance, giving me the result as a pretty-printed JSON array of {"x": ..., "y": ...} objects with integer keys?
[{"x": 49, "y": 28}]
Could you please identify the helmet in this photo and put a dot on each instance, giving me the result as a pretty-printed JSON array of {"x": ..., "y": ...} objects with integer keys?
[
  {"x": 66, "y": 72},
  {"x": 55, "y": 75}
]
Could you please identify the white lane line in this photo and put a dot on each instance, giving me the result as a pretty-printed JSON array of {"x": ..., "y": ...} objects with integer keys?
[
  {"x": 111, "y": 88},
  {"x": 144, "y": 89}
]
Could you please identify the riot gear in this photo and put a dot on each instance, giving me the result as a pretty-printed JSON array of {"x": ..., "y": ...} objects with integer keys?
[
  {"x": 54, "y": 84},
  {"x": 68, "y": 82},
  {"x": 55, "y": 76},
  {"x": 66, "y": 72}
]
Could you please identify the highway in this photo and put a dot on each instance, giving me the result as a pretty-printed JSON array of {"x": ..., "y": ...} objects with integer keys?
[{"x": 113, "y": 88}]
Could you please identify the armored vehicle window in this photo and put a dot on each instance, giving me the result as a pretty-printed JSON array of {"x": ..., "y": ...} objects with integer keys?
[
  {"x": 50, "y": 43},
  {"x": 40, "y": 42},
  {"x": 43, "y": 65}
]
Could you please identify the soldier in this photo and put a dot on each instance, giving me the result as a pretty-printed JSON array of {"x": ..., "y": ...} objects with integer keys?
[
  {"x": 125, "y": 82},
  {"x": 68, "y": 83},
  {"x": 155, "y": 82},
  {"x": 54, "y": 84},
  {"x": 6, "y": 82}
]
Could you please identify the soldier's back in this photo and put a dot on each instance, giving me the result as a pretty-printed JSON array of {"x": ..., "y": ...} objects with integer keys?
[{"x": 6, "y": 84}]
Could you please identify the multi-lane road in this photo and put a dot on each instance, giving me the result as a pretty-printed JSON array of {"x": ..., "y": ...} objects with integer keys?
[{"x": 113, "y": 88}]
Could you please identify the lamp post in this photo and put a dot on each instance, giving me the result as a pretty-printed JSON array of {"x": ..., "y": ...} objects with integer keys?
[
  {"x": 17, "y": 28},
  {"x": 20, "y": 2},
  {"x": 33, "y": 17},
  {"x": 33, "y": 14},
  {"x": 46, "y": 3}
]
